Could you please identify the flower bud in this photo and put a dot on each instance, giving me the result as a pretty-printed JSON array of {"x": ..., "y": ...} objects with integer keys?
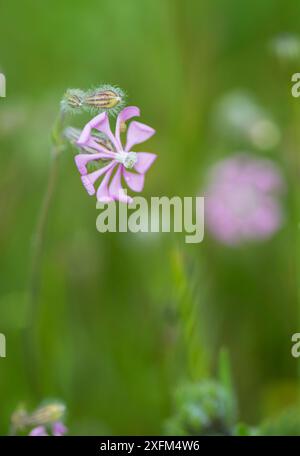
[
  {"x": 105, "y": 98},
  {"x": 72, "y": 135},
  {"x": 43, "y": 415},
  {"x": 49, "y": 413},
  {"x": 72, "y": 101}
]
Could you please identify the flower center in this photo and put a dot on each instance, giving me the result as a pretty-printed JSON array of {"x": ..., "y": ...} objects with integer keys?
[{"x": 128, "y": 159}]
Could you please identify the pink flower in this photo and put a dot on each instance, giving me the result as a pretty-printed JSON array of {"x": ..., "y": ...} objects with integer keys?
[
  {"x": 58, "y": 429},
  {"x": 118, "y": 160},
  {"x": 242, "y": 199},
  {"x": 39, "y": 431}
]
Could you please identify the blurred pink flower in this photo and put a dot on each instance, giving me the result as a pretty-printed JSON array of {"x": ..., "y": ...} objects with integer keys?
[
  {"x": 58, "y": 429},
  {"x": 39, "y": 431},
  {"x": 242, "y": 199},
  {"x": 120, "y": 159}
]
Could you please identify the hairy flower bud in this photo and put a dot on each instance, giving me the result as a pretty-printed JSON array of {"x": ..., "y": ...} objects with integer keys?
[
  {"x": 202, "y": 408},
  {"x": 43, "y": 415},
  {"x": 72, "y": 101},
  {"x": 47, "y": 414},
  {"x": 104, "y": 98},
  {"x": 72, "y": 135}
]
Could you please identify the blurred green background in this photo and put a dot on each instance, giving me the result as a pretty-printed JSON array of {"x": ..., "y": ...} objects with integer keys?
[{"x": 109, "y": 333}]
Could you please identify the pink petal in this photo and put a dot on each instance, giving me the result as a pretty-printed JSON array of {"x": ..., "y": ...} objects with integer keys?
[
  {"x": 39, "y": 431},
  {"x": 86, "y": 132},
  {"x": 144, "y": 161},
  {"x": 81, "y": 160},
  {"x": 125, "y": 114},
  {"x": 137, "y": 133},
  {"x": 134, "y": 181},
  {"x": 116, "y": 190},
  {"x": 59, "y": 429},
  {"x": 90, "y": 179},
  {"x": 103, "y": 194},
  {"x": 101, "y": 123}
]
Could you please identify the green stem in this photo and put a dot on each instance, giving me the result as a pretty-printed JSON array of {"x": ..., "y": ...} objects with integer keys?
[
  {"x": 188, "y": 312},
  {"x": 38, "y": 241}
]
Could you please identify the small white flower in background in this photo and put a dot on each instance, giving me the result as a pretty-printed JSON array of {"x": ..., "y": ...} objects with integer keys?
[
  {"x": 238, "y": 114},
  {"x": 286, "y": 47}
]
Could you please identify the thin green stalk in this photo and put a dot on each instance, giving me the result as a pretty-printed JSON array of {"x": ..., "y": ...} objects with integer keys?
[
  {"x": 37, "y": 247},
  {"x": 188, "y": 313}
]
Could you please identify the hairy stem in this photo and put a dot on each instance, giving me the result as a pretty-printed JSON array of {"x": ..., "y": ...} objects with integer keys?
[{"x": 188, "y": 313}]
